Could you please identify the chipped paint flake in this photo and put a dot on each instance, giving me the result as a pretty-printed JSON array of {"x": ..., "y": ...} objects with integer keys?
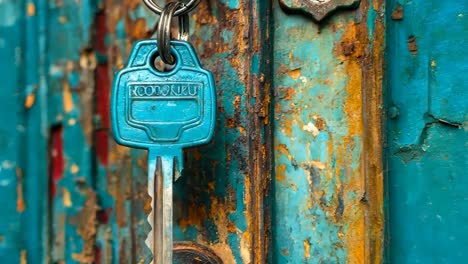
[
  {"x": 30, "y": 99},
  {"x": 306, "y": 248},
  {"x": 311, "y": 128},
  {"x": 67, "y": 98},
  {"x": 23, "y": 257},
  {"x": 67, "y": 202},
  {"x": 20, "y": 205},
  {"x": 7, "y": 164},
  {"x": 31, "y": 9},
  {"x": 74, "y": 169},
  {"x": 71, "y": 121}
]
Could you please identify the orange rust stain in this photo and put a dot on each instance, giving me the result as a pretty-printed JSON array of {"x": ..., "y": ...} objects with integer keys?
[
  {"x": 237, "y": 101},
  {"x": 23, "y": 257},
  {"x": 63, "y": 19},
  {"x": 196, "y": 154},
  {"x": 30, "y": 99},
  {"x": 230, "y": 122},
  {"x": 412, "y": 45},
  {"x": 139, "y": 28},
  {"x": 220, "y": 217},
  {"x": 67, "y": 98},
  {"x": 67, "y": 202},
  {"x": 288, "y": 93},
  {"x": 196, "y": 215},
  {"x": 352, "y": 50},
  {"x": 354, "y": 211},
  {"x": 306, "y": 248},
  {"x": 242, "y": 130},
  {"x": 287, "y": 126},
  {"x": 296, "y": 73},
  {"x": 280, "y": 172},
  {"x": 246, "y": 239},
  {"x": 30, "y": 9},
  {"x": 20, "y": 205},
  {"x": 397, "y": 13},
  {"x": 131, "y": 4},
  {"x": 85, "y": 223},
  {"x": 74, "y": 169}
]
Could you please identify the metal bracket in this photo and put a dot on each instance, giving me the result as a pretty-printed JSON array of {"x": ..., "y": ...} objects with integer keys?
[{"x": 319, "y": 9}]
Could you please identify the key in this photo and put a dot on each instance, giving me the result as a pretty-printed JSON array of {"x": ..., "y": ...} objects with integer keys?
[{"x": 163, "y": 112}]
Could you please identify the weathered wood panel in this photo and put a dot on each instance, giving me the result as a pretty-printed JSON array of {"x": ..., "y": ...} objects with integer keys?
[
  {"x": 328, "y": 170},
  {"x": 23, "y": 145},
  {"x": 311, "y": 194}
]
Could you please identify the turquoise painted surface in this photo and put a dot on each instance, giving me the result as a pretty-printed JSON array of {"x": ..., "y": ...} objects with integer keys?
[
  {"x": 321, "y": 196},
  {"x": 427, "y": 137},
  {"x": 23, "y": 173},
  {"x": 11, "y": 242}
]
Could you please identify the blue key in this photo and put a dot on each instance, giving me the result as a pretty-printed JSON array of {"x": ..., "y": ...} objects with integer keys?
[{"x": 164, "y": 112}]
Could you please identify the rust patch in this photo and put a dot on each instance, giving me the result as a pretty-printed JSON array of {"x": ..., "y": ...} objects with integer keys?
[
  {"x": 363, "y": 67},
  {"x": 139, "y": 30},
  {"x": 348, "y": 47},
  {"x": 280, "y": 172},
  {"x": 67, "y": 202},
  {"x": 306, "y": 248},
  {"x": 85, "y": 222},
  {"x": 23, "y": 257},
  {"x": 196, "y": 215},
  {"x": 412, "y": 45},
  {"x": 30, "y": 99},
  {"x": 20, "y": 205},
  {"x": 67, "y": 97},
  {"x": 31, "y": 9},
  {"x": 397, "y": 13},
  {"x": 219, "y": 215},
  {"x": 296, "y": 73}
]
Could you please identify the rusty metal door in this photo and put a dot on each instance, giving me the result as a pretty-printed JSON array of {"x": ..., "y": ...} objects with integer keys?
[{"x": 293, "y": 175}]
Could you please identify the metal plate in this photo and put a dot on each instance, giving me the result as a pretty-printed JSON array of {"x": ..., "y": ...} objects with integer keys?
[{"x": 319, "y": 9}]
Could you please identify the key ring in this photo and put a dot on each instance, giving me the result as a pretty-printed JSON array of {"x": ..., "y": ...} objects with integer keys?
[
  {"x": 183, "y": 9},
  {"x": 164, "y": 31}
]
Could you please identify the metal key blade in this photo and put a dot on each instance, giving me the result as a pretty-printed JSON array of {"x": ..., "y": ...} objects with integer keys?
[{"x": 161, "y": 172}]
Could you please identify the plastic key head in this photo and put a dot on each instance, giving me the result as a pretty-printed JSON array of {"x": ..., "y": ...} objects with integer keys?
[
  {"x": 164, "y": 112},
  {"x": 152, "y": 108}
]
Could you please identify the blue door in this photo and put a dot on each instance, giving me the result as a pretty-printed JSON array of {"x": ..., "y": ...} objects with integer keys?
[{"x": 340, "y": 134}]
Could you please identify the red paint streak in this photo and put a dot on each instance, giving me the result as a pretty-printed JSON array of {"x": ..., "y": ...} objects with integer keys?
[
  {"x": 57, "y": 164},
  {"x": 98, "y": 254},
  {"x": 103, "y": 216},
  {"x": 102, "y": 91}
]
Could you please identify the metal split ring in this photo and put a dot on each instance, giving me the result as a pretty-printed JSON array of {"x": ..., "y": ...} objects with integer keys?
[
  {"x": 181, "y": 10},
  {"x": 164, "y": 31}
]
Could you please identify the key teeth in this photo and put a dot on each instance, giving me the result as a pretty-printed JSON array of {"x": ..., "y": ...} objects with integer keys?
[{"x": 149, "y": 239}]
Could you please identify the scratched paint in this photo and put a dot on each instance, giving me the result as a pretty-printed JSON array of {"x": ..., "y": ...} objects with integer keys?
[
  {"x": 321, "y": 132},
  {"x": 427, "y": 133}
]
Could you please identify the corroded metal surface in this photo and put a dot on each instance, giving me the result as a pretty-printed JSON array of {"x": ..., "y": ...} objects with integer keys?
[
  {"x": 215, "y": 203},
  {"x": 328, "y": 171}
]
